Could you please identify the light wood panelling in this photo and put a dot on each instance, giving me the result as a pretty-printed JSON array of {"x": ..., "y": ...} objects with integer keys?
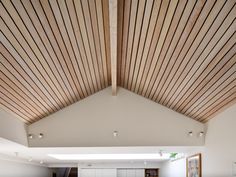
[
  {"x": 180, "y": 53},
  {"x": 53, "y": 53}
]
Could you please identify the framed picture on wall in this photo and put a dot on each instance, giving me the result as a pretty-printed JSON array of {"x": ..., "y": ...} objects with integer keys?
[{"x": 194, "y": 166}]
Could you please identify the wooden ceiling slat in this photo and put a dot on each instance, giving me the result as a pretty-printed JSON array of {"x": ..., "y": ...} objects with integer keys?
[
  {"x": 149, "y": 38},
  {"x": 155, "y": 41},
  {"x": 217, "y": 96},
  {"x": 53, "y": 53},
  {"x": 99, "y": 11},
  {"x": 105, "y": 8},
  {"x": 198, "y": 34},
  {"x": 6, "y": 89},
  {"x": 52, "y": 59},
  {"x": 188, "y": 27},
  {"x": 10, "y": 71},
  {"x": 127, "y": 9},
  {"x": 219, "y": 110},
  {"x": 45, "y": 57},
  {"x": 19, "y": 58},
  {"x": 179, "y": 55},
  {"x": 83, "y": 59},
  {"x": 84, "y": 36},
  {"x": 80, "y": 43},
  {"x": 208, "y": 62},
  {"x": 33, "y": 101},
  {"x": 165, "y": 62},
  {"x": 225, "y": 99},
  {"x": 49, "y": 24},
  {"x": 227, "y": 78},
  {"x": 91, "y": 40},
  {"x": 143, "y": 36},
  {"x": 79, "y": 70},
  {"x": 63, "y": 47},
  {"x": 219, "y": 28},
  {"x": 31, "y": 80},
  {"x": 182, "y": 27},
  {"x": 190, "y": 46},
  {"x": 35, "y": 51},
  {"x": 96, "y": 36},
  {"x": 63, "y": 27},
  {"x": 130, "y": 42},
  {"x": 207, "y": 82},
  {"x": 156, "y": 61},
  {"x": 194, "y": 25},
  {"x": 120, "y": 22},
  {"x": 137, "y": 34},
  {"x": 14, "y": 112},
  {"x": 8, "y": 100},
  {"x": 13, "y": 107},
  {"x": 19, "y": 103}
]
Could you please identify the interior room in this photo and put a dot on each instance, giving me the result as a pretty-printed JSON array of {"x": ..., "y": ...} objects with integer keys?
[{"x": 117, "y": 88}]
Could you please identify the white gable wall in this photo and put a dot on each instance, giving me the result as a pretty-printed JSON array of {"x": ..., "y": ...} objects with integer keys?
[
  {"x": 12, "y": 128},
  {"x": 219, "y": 151},
  {"x": 139, "y": 121}
]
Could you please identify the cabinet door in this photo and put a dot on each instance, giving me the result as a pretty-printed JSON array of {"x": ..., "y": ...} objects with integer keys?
[
  {"x": 140, "y": 173},
  {"x": 88, "y": 173},
  {"x": 121, "y": 172},
  {"x": 130, "y": 173},
  {"x": 109, "y": 173},
  {"x": 98, "y": 173}
]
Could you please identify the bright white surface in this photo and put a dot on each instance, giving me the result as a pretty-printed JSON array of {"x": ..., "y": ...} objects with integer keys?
[
  {"x": 121, "y": 165},
  {"x": 220, "y": 147},
  {"x": 37, "y": 154},
  {"x": 16, "y": 169},
  {"x": 139, "y": 122},
  {"x": 174, "y": 169},
  {"x": 12, "y": 128},
  {"x": 97, "y": 173},
  {"x": 130, "y": 172},
  {"x": 153, "y": 156},
  {"x": 219, "y": 152}
]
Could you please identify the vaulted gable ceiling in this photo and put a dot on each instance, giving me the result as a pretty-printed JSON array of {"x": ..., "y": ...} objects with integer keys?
[
  {"x": 53, "y": 53},
  {"x": 179, "y": 53}
]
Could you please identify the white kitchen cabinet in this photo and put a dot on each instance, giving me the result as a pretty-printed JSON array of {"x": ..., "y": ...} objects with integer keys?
[
  {"x": 98, "y": 173},
  {"x": 130, "y": 172}
]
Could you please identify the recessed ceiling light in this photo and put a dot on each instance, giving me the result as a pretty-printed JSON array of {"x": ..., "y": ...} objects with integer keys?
[
  {"x": 153, "y": 156},
  {"x": 115, "y": 133},
  {"x": 31, "y": 136},
  {"x": 40, "y": 135},
  {"x": 201, "y": 134},
  {"x": 190, "y": 133}
]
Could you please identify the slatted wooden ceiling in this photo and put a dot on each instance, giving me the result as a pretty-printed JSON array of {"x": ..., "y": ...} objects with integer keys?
[
  {"x": 53, "y": 53},
  {"x": 179, "y": 53}
]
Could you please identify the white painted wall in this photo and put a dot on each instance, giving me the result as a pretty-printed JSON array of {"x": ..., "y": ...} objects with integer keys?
[
  {"x": 16, "y": 169},
  {"x": 97, "y": 172},
  {"x": 12, "y": 128},
  {"x": 173, "y": 169},
  {"x": 219, "y": 152},
  {"x": 220, "y": 147},
  {"x": 91, "y": 122},
  {"x": 130, "y": 172},
  {"x": 121, "y": 165}
]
